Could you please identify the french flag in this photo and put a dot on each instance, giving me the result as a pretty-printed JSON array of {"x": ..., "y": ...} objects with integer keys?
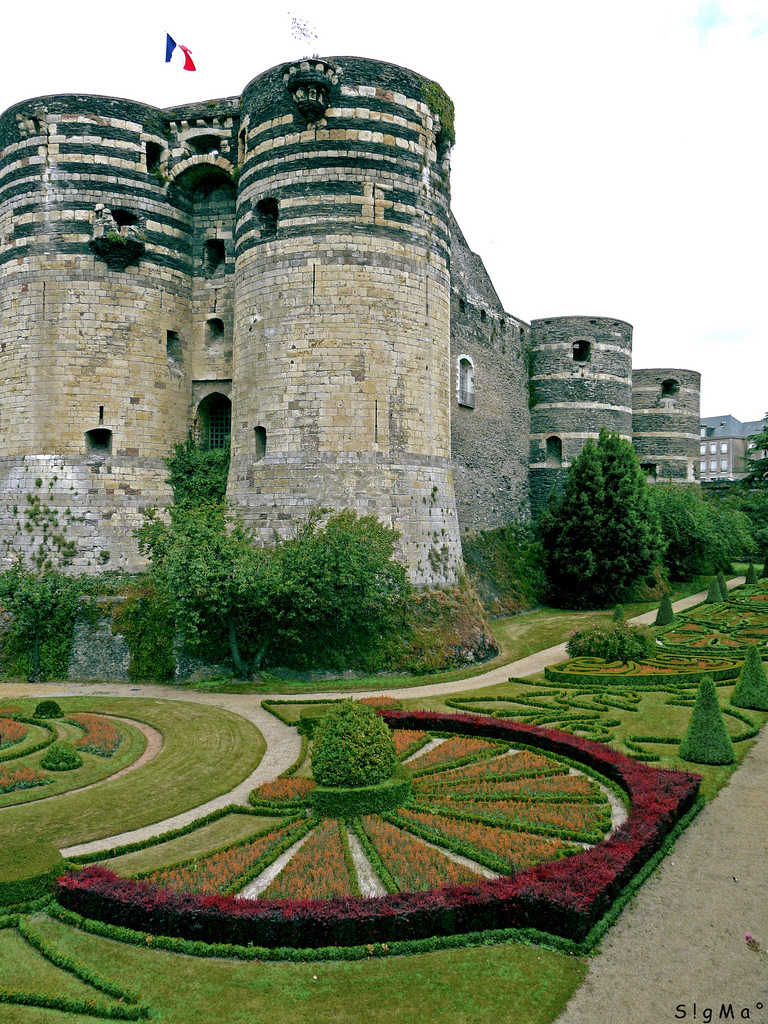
[{"x": 171, "y": 47}]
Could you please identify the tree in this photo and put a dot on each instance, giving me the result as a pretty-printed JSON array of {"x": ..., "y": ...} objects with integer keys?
[
  {"x": 602, "y": 534},
  {"x": 706, "y": 740},
  {"x": 328, "y": 589},
  {"x": 756, "y": 460},
  {"x": 702, "y": 536},
  {"x": 751, "y": 690}
]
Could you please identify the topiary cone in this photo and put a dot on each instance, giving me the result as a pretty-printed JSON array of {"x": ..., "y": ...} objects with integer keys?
[
  {"x": 665, "y": 615},
  {"x": 714, "y": 595},
  {"x": 707, "y": 740},
  {"x": 751, "y": 578},
  {"x": 618, "y": 614},
  {"x": 751, "y": 690},
  {"x": 764, "y": 573},
  {"x": 723, "y": 587}
]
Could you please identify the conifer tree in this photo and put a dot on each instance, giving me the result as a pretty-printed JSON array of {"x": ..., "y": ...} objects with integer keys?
[
  {"x": 602, "y": 534},
  {"x": 723, "y": 586},
  {"x": 751, "y": 690},
  {"x": 715, "y": 594},
  {"x": 707, "y": 740},
  {"x": 618, "y": 613},
  {"x": 751, "y": 575},
  {"x": 665, "y": 614}
]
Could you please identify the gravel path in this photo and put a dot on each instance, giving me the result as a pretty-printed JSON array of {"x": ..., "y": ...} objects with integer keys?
[{"x": 676, "y": 953}]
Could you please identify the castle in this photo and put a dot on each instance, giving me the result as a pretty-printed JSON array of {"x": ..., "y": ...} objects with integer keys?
[{"x": 283, "y": 269}]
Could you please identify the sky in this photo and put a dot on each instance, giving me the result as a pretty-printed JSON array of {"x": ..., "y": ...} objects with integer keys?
[{"x": 610, "y": 156}]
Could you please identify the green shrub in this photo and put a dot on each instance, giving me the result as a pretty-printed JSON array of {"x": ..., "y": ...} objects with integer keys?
[
  {"x": 714, "y": 595},
  {"x": 47, "y": 709},
  {"x": 751, "y": 690},
  {"x": 615, "y": 642},
  {"x": 707, "y": 740},
  {"x": 722, "y": 584},
  {"x": 61, "y": 757},
  {"x": 665, "y": 614},
  {"x": 352, "y": 801},
  {"x": 352, "y": 747},
  {"x": 618, "y": 614},
  {"x": 764, "y": 573},
  {"x": 751, "y": 579}
]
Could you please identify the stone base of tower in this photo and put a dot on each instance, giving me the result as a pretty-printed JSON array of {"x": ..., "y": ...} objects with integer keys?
[
  {"x": 95, "y": 502},
  {"x": 413, "y": 495}
]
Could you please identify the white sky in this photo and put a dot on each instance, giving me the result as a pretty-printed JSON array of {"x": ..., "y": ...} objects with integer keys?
[{"x": 610, "y": 156}]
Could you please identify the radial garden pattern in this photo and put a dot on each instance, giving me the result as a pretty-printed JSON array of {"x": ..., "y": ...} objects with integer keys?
[{"x": 478, "y": 809}]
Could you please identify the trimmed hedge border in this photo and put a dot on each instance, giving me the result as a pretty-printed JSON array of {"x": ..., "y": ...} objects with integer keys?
[
  {"x": 559, "y": 674},
  {"x": 351, "y": 801},
  {"x": 14, "y": 754},
  {"x": 565, "y": 898}
]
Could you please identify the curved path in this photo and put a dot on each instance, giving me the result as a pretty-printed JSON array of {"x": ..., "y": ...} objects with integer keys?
[{"x": 676, "y": 953}]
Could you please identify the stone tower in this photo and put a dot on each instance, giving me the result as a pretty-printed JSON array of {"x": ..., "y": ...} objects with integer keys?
[
  {"x": 342, "y": 312},
  {"x": 666, "y": 423},
  {"x": 580, "y": 381}
]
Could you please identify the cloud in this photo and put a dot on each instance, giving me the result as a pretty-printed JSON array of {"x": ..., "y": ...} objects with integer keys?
[{"x": 709, "y": 16}]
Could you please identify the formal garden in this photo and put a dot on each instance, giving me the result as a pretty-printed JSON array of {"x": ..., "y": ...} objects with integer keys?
[{"x": 493, "y": 835}]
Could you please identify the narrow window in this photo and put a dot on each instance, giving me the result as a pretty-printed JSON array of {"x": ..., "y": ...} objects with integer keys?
[
  {"x": 713, "y": 465},
  {"x": 267, "y": 212},
  {"x": 703, "y": 466},
  {"x": 213, "y": 257},
  {"x": 101, "y": 414},
  {"x": 98, "y": 440},
  {"x": 669, "y": 388},
  {"x": 650, "y": 471},
  {"x": 154, "y": 155},
  {"x": 214, "y": 420},
  {"x": 554, "y": 451},
  {"x": 242, "y": 145},
  {"x": 466, "y": 382},
  {"x": 203, "y": 144},
  {"x": 261, "y": 443},
  {"x": 124, "y": 218},
  {"x": 581, "y": 350},
  {"x": 723, "y": 447},
  {"x": 214, "y": 330},
  {"x": 173, "y": 349}
]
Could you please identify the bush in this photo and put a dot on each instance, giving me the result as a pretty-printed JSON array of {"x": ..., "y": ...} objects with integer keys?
[
  {"x": 61, "y": 757},
  {"x": 751, "y": 578},
  {"x": 616, "y": 642},
  {"x": 723, "y": 586},
  {"x": 707, "y": 740},
  {"x": 665, "y": 614},
  {"x": 352, "y": 747},
  {"x": 751, "y": 690},
  {"x": 618, "y": 614},
  {"x": 47, "y": 709},
  {"x": 715, "y": 594},
  {"x": 352, "y": 801}
]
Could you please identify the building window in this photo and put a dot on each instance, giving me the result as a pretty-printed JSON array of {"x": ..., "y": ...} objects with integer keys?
[
  {"x": 214, "y": 330},
  {"x": 581, "y": 349},
  {"x": 204, "y": 144},
  {"x": 713, "y": 448},
  {"x": 703, "y": 466},
  {"x": 154, "y": 156},
  {"x": 466, "y": 382},
  {"x": 261, "y": 443},
  {"x": 173, "y": 348},
  {"x": 723, "y": 447},
  {"x": 724, "y": 465},
  {"x": 669, "y": 388},
  {"x": 98, "y": 440},
  {"x": 713, "y": 465},
  {"x": 650, "y": 470},
  {"x": 554, "y": 451},
  {"x": 703, "y": 432},
  {"x": 702, "y": 449},
  {"x": 213, "y": 257},
  {"x": 267, "y": 211}
]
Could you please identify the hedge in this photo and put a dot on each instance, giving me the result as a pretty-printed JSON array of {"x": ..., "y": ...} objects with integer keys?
[
  {"x": 351, "y": 801},
  {"x": 565, "y": 897}
]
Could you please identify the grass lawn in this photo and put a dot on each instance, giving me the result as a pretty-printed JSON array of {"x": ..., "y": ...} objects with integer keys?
[
  {"x": 485, "y": 985},
  {"x": 206, "y": 751}
]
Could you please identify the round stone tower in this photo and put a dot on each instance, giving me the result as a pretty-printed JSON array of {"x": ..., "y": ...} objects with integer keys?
[
  {"x": 342, "y": 317},
  {"x": 104, "y": 208},
  {"x": 666, "y": 423},
  {"x": 580, "y": 382}
]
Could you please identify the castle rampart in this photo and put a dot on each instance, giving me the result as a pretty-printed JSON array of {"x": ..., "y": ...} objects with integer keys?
[{"x": 665, "y": 423}]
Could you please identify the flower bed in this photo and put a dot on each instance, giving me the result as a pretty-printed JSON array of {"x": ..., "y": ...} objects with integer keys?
[
  {"x": 101, "y": 736},
  {"x": 318, "y": 870},
  {"x": 457, "y": 748},
  {"x": 282, "y": 790},
  {"x": 565, "y": 897},
  {"x": 20, "y": 777},
  {"x": 11, "y": 732},
  {"x": 411, "y": 863},
  {"x": 663, "y": 668},
  {"x": 408, "y": 741}
]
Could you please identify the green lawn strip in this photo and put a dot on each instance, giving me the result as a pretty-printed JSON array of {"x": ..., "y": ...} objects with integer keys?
[
  {"x": 206, "y": 752},
  {"x": 475, "y": 985},
  {"x": 40, "y": 735},
  {"x": 93, "y": 769},
  {"x": 233, "y": 828}
]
